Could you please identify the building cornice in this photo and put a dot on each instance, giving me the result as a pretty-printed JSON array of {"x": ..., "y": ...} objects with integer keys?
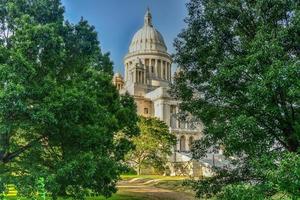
[{"x": 148, "y": 53}]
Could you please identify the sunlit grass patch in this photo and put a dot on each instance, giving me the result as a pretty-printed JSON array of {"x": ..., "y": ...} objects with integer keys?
[{"x": 151, "y": 177}]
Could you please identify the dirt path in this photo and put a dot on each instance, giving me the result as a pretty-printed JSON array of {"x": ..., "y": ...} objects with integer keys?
[{"x": 149, "y": 192}]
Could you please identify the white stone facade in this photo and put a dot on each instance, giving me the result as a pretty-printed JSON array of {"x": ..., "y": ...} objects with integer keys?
[{"x": 147, "y": 78}]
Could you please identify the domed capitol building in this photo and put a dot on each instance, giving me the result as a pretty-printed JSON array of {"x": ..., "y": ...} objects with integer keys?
[{"x": 147, "y": 78}]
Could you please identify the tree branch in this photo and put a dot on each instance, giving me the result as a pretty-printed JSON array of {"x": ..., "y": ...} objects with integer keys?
[{"x": 9, "y": 156}]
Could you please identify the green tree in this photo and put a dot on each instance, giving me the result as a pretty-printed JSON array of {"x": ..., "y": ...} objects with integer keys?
[
  {"x": 240, "y": 72},
  {"x": 152, "y": 146},
  {"x": 60, "y": 113}
]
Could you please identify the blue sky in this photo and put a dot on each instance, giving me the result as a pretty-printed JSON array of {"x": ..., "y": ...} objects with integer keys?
[{"x": 116, "y": 21}]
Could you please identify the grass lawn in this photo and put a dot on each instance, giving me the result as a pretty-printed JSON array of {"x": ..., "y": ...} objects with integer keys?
[
  {"x": 151, "y": 177},
  {"x": 174, "y": 183},
  {"x": 118, "y": 197},
  {"x": 166, "y": 182},
  {"x": 114, "y": 197}
]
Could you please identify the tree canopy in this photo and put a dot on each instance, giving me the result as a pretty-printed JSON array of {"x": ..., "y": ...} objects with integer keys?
[
  {"x": 152, "y": 146},
  {"x": 60, "y": 113},
  {"x": 239, "y": 73}
]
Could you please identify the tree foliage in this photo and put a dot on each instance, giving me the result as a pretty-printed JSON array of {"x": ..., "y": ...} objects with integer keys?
[
  {"x": 60, "y": 112},
  {"x": 152, "y": 146},
  {"x": 240, "y": 72}
]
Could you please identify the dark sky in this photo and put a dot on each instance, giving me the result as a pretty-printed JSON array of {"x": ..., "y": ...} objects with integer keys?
[{"x": 116, "y": 21}]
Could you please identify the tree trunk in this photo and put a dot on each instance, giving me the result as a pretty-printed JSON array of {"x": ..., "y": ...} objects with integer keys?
[
  {"x": 292, "y": 140},
  {"x": 139, "y": 169},
  {"x": 4, "y": 142}
]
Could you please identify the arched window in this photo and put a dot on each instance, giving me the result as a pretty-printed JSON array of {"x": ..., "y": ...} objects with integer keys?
[
  {"x": 182, "y": 143},
  {"x": 191, "y": 140}
]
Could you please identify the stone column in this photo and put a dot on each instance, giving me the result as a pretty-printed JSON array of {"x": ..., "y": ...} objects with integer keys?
[
  {"x": 161, "y": 70},
  {"x": 170, "y": 71},
  {"x": 163, "y": 64},
  {"x": 156, "y": 68},
  {"x": 167, "y": 71},
  {"x": 165, "y": 68},
  {"x": 134, "y": 76},
  {"x": 177, "y": 121},
  {"x": 146, "y": 71}
]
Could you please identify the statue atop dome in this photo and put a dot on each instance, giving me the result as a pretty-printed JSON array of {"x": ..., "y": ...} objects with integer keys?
[{"x": 148, "y": 18}]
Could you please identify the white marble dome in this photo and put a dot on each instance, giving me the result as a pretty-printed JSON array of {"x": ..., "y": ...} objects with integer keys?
[
  {"x": 118, "y": 75},
  {"x": 147, "y": 38}
]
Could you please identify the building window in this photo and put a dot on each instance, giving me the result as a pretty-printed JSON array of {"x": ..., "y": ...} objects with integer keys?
[
  {"x": 182, "y": 143},
  {"x": 181, "y": 124},
  {"x": 152, "y": 69},
  {"x": 146, "y": 111},
  {"x": 173, "y": 109},
  {"x": 173, "y": 119}
]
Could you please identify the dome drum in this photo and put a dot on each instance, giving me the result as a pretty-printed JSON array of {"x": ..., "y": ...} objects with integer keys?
[{"x": 154, "y": 67}]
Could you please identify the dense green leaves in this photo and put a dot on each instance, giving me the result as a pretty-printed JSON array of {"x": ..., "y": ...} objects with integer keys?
[
  {"x": 239, "y": 73},
  {"x": 60, "y": 113},
  {"x": 152, "y": 146}
]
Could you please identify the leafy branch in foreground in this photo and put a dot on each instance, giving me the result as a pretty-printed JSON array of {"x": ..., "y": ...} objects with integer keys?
[
  {"x": 59, "y": 110},
  {"x": 239, "y": 73}
]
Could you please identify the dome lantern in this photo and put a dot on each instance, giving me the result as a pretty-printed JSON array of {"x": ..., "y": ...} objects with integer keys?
[{"x": 148, "y": 18}]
